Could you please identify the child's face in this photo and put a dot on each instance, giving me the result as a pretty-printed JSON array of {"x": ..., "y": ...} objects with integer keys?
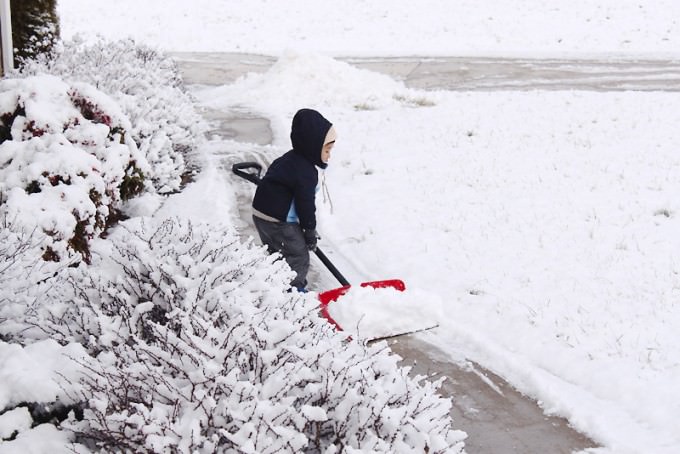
[{"x": 326, "y": 152}]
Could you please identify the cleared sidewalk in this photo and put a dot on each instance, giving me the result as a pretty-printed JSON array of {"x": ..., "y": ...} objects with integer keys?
[{"x": 467, "y": 73}]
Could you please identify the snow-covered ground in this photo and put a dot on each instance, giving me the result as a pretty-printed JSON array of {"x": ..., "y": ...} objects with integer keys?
[
  {"x": 542, "y": 226},
  {"x": 381, "y": 28}
]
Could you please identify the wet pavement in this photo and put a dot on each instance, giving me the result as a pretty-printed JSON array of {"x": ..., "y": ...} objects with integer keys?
[
  {"x": 496, "y": 417},
  {"x": 239, "y": 126},
  {"x": 475, "y": 73},
  {"x": 466, "y": 73}
]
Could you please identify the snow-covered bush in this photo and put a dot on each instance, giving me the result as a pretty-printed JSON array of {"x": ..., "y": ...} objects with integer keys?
[
  {"x": 147, "y": 86},
  {"x": 21, "y": 272},
  {"x": 35, "y": 377},
  {"x": 200, "y": 348},
  {"x": 66, "y": 161}
]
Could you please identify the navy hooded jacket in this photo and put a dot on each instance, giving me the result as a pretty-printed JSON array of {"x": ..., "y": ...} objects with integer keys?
[{"x": 293, "y": 176}]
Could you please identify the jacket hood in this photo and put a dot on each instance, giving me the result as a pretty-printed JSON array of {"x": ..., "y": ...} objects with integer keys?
[{"x": 307, "y": 135}]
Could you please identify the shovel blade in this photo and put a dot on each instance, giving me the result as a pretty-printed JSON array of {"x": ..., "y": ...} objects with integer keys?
[{"x": 329, "y": 296}]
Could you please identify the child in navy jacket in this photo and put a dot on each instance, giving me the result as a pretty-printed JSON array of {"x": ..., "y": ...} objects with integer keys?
[{"x": 284, "y": 208}]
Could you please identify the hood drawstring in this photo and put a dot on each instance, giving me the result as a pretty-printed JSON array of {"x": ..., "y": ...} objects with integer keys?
[{"x": 324, "y": 191}]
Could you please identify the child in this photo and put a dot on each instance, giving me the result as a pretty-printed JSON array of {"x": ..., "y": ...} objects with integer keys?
[{"x": 284, "y": 209}]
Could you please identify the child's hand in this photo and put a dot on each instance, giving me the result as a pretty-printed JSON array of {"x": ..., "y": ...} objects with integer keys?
[{"x": 310, "y": 239}]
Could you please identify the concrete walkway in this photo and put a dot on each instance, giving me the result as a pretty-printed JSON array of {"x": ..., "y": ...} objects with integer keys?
[
  {"x": 496, "y": 417},
  {"x": 466, "y": 73}
]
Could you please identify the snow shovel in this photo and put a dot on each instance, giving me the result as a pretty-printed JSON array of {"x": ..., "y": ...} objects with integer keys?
[{"x": 252, "y": 171}]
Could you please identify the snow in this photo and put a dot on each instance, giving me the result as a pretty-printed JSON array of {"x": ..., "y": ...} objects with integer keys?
[
  {"x": 540, "y": 228},
  {"x": 39, "y": 440},
  {"x": 546, "y": 226},
  {"x": 370, "y": 313},
  {"x": 384, "y": 28},
  {"x": 546, "y": 222},
  {"x": 41, "y": 372},
  {"x": 17, "y": 420},
  {"x": 30, "y": 374}
]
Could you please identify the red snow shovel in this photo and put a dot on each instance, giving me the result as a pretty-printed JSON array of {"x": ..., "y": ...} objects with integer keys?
[{"x": 251, "y": 171}]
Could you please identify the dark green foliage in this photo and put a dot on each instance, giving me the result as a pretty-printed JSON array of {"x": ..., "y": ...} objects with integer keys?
[
  {"x": 80, "y": 242},
  {"x": 35, "y": 28},
  {"x": 133, "y": 182},
  {"x": 33, "y": 187},
  {"x": 96, "y": 198},
  {"x": 6, "y": 121},
  {"x": 50, "y": 255}
]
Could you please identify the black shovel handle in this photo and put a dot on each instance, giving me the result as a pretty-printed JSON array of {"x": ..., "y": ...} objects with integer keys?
[
  {"x": 251, "y": 171},
  {"x": 334, "y": 271}
]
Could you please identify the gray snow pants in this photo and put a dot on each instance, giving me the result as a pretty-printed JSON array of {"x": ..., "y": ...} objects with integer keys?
[{"x": 286, "y": 238}]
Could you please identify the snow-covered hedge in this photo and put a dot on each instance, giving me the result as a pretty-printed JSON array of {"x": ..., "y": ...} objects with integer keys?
[
  {"x": 66, "y": 161},
  {"x": 200, "y": 348},
  {"x": 37, "y": 377},
  {"x": 147, "y": 86}
]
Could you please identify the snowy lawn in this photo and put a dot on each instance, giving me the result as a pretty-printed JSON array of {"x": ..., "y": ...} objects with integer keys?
[{"x": 384, "y": 27}]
